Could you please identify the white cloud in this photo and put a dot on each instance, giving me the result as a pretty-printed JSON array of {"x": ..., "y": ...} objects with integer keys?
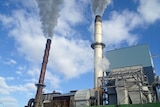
[
  {"x": 149, "y": 10},
  {"x": 117, "y": 30},
  {"x": 31, "y": 4},
  {"x": 31, "y": 43},
  {"x": 20, "y": 70},
  {"x": 71, "y": 57},
  {"x": 9, "y": 102},
  {"x": 10, "y": 78},
  {"x": 6, "y": 89},
  {"x": 28, "y": 35},
  {"x": 34, "y": 71},
  {"x": 6, "y": 21},
  {"x": 53, "y": 80},
  {"x": 10, "y": 61},
  {"x": 71, "y": 14},
  {"x": 3, "y": 86}
]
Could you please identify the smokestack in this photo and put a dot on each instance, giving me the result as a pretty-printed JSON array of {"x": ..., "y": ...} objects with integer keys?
[
  {"x": 40, "y": 85},
  {"x": 98, "y": 48}
]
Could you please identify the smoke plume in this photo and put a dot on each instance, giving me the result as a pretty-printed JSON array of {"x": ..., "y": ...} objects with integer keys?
[
  {"x": 98, "y": 6},
  {"x": 102, "y": 63},
  {"x": 49, "y": 13}
]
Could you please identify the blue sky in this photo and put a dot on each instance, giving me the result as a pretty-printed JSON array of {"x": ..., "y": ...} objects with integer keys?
[{"x": 70, "y": 66}]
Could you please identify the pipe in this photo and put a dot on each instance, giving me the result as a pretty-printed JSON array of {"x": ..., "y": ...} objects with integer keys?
[
  {"x": 40, "y": 84},
  {"x": 98, "y": 47},
  {"x": 30, "y": 103}
]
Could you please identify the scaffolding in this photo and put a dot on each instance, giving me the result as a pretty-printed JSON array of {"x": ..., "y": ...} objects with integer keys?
[{"x": 130, "y": 83}]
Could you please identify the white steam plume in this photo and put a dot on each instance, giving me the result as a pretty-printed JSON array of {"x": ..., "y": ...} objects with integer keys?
[
  {"x": 103, "y": 63},
  {"x": 49, "y": 13},
  {"x": 98, "y": 6}
]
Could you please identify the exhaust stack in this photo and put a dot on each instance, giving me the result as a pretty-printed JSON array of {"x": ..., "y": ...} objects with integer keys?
[
  {"x": 98, "y": 48},
  {"x": 40, "y": 84}
]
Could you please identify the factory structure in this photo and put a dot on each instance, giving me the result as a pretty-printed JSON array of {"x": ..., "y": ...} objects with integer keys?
[{"x": 130, "y": 80}]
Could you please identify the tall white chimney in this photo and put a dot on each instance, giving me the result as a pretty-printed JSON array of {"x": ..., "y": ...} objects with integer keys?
[{"x": 98, "y": 48}]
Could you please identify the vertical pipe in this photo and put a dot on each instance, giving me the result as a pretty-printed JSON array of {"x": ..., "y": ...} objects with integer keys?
[
  {"x": 98, "y": 47},
  {"x": 40, "y": 84}
]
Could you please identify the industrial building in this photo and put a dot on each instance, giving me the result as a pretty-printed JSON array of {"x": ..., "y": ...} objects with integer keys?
[{"x": 130, "y": 79}]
